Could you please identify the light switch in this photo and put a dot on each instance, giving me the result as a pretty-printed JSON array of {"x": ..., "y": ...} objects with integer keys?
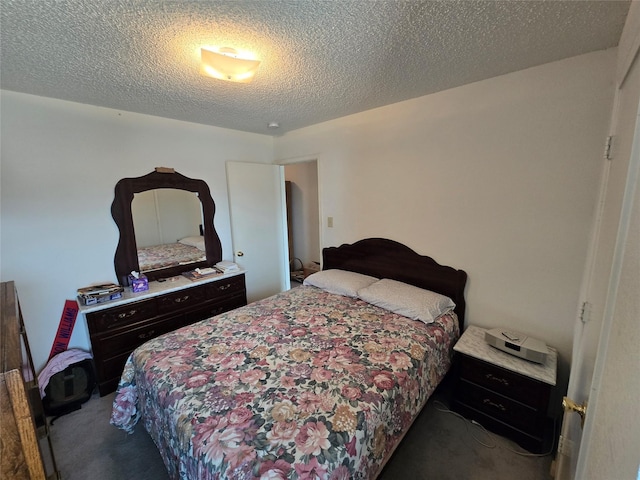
[{"x": 330, "y": 222}]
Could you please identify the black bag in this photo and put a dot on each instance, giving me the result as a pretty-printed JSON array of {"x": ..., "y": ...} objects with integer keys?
[{"x": 69, "y": 389}]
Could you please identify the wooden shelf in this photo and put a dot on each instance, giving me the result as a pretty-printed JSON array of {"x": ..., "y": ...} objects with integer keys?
[{"x": 26, "y": 451}]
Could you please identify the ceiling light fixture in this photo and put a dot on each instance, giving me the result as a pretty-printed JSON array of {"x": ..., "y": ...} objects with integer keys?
[{"x": 226, "y": 64}]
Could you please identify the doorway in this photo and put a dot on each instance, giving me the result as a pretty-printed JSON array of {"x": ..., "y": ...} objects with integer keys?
[{"x": 303, "y": 219}]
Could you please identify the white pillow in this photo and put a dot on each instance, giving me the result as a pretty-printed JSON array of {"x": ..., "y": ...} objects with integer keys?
[
  {"x": 407, "y": 300},
  {"x": 341, "y": 282},
  {"x": 197, "y": 242}
]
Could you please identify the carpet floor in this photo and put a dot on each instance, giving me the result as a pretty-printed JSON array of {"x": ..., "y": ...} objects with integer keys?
[{"x": 439, "y": 446}]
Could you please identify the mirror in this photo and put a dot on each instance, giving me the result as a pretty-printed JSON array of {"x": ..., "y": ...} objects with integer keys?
[
  {"x": 166, "y": 225},
  {"x": 165, "y": 215}
]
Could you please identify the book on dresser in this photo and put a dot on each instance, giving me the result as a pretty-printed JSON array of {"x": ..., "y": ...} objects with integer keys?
[
  {"x": 101, "y": 293},
  {"x": 200, "y": 273}
]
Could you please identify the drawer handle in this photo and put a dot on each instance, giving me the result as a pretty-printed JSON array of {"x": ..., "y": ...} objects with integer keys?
[
  {"x": 149, "y": 334},
  {"x": 501, "y": 380},
  {"x": 181, "y": 299},
  {"x": 224, "y": 287},
  {"x": 128, "y": 314},
  {"x": 495, "y": 405}
]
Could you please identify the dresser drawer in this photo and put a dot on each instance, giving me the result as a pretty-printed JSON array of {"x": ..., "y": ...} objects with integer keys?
[
  {"x": 226, "y": 286},
  {"x": 110, "y": 370},
  {"x": 182, "y": 299},
  {"x": 518, "y": 387},
  {"x": 112, "y": 318},
  {"x": 216, "y": 308},
  {"x": 502, "y": 408},
  {"x": 128, "y": 340}
]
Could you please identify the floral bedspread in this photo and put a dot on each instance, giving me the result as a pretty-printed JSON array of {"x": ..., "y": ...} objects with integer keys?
[
  {"x": 302, "y": 385},
  {"x": 168, "y": 255}
]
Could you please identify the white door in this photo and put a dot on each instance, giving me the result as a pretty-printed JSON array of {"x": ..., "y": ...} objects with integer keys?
[
  {"x": 592, "y": 339},
  {"x": 258, "y": 226}
]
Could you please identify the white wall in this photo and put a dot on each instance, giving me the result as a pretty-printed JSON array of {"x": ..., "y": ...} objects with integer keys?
[
  {"x": 60, "y": 164},
  {"x": 498, "y": 178}
]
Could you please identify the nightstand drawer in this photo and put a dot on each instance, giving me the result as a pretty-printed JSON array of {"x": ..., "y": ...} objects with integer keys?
[
  {"x": 499, "y": 380},
  {"x": 502, "y": 408}
]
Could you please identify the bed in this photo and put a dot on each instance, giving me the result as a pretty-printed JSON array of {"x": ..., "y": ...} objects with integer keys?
[
  {"x": 316, "y": 382},
  {"x": 186, "y": 250}
]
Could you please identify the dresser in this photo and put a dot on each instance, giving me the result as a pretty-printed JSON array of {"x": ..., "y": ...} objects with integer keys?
[
  {"x": 117, "y": 327},
  {"x": 26, "y": 450},
  {"x": 504, "y": 393}
]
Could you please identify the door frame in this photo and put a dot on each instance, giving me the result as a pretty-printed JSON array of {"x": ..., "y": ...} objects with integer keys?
[
  {"x": 305, "y": 159},
  {"x": 631, "y": 183},
  {"x": 575, "y": 463}
]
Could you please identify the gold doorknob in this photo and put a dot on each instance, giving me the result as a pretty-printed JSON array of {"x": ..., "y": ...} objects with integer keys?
[
  {"x": 571, "y": 406},
  {"x": 240, "y": 254}
]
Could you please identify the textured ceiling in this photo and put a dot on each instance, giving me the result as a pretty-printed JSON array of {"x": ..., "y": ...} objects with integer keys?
[{"x": 320, "y": 59}]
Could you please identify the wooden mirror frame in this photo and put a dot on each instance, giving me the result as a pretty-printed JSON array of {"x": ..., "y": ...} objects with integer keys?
[{"x": 126, "y": 256}]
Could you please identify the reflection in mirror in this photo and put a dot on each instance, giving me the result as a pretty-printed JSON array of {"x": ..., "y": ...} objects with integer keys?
[{"x": 167, "y": 226}]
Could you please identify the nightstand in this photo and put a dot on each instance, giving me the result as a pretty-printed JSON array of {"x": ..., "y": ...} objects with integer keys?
[{"x": 502, "y": 392}]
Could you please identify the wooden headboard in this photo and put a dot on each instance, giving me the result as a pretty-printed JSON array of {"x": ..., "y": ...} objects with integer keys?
[{"x": 384, "y": 258}]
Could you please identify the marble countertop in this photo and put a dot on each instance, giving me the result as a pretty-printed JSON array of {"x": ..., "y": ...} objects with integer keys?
[
  {"x": 472, "y": 343},
  {"x": 172, "y": 284}
]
